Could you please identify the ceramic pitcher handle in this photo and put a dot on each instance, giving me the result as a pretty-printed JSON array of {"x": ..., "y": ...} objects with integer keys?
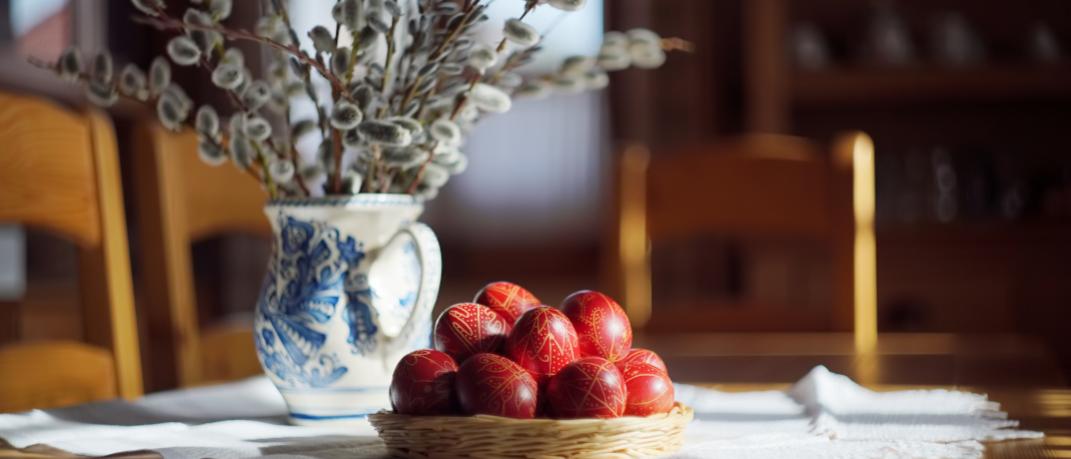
[{"x": 431, "y": 267}]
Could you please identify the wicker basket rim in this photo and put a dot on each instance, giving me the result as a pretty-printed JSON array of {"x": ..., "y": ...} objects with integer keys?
[{"x": 679, "y": 409}]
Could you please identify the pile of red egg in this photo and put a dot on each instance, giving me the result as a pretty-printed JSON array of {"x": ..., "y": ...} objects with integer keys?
[{"x": 507, "y": 354}]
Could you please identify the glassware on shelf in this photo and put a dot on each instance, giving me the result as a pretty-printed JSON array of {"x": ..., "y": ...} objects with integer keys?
[
  {"x": 945, "y": 190},
  {"x": 954, "y": 41},
  {"x": 1042, "y": 44},
  {"x": 810, "y": 49},
  {"x": 888, "y": 40}
]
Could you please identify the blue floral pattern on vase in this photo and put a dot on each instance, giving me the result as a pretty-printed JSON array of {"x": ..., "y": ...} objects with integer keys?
[{"x": 312, "y": 270}]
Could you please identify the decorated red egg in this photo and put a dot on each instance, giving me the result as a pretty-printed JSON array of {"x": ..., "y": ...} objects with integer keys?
[
  {"x": 423, "y": 384},
  {"x": 492, "y": 384},
  {"x": 465, "y": 329},
  {"x": 649, "y": 389},
  {"x": 509, "y": 300},
  {"x": 601, "y": 325},
  {"x": 591, "y": 387},
  {"x": 542, "y": 342},
  {"x": 642, "y": 355}
]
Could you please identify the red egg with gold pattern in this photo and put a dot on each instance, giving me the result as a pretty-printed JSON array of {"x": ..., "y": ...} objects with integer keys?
[
  {"x": 591, "y": 387},
  {"x": 542, "y": 342},
  {"x": 465, "y": 329},
  {"x": 642, "y": 355},
  {"x": 492, "y": 384},
  {"x": 601, "y": 325},
  {"x": 423, "y": 384},
  {"x": 649, "y": 389},
  {"x": 509, "y": 300}
]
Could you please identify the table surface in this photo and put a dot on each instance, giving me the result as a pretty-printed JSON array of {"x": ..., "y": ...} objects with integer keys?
[{"x": 1014, "y": 372}]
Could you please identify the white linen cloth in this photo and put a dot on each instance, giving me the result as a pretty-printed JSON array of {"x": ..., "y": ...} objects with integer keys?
[{"x": 824, "y": 415}]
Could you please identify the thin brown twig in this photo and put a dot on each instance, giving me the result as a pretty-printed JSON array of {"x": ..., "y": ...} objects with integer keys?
[
  {"x": 336, "y": 144},
  {"x": 165, "y": 22},
  {"x": 294, "y": 160},
  {"x": 83, "y": 78},
  {"x": 423, "y": 167}
]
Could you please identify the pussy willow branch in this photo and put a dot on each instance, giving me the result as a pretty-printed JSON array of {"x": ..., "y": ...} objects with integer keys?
[
  {"x": 236, "y": 99},
  {"x": 470, "y": 8},
  {"x": 84, "y": 78},
  {"x": 165, "y": 22},
  {"x": 461, "y": 101}
]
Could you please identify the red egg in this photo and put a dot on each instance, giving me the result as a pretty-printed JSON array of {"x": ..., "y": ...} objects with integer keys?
[
  {"x": 591, "y": 387},
  {"x": 642, "y": 355},
  {"x": 492, "y": 384},
  {"x": 649, "y": 389},
  {"x": 509, "y": 300},
  {"x": 601, "y": 325},
  {"x": 542, "y": 342},
  {"x": 423, "y": 384},
  {"x": 465, "y": 329}
]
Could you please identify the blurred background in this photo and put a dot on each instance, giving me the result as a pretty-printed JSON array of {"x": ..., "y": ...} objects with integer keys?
[{"x": 968, "y": 103}]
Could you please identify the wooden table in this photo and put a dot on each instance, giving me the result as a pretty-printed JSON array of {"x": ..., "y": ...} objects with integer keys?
[{"x": 1016, "y": 372}]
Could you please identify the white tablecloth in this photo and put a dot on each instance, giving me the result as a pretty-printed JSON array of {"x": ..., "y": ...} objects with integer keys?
[{"x": 825, "y": 415}]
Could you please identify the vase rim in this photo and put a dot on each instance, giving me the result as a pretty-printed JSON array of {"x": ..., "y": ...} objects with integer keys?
[{"x": 362, "y": 200}]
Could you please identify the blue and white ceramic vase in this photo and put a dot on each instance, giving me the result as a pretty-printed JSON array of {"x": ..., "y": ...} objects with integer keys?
[{"x": 349, "y": 291}]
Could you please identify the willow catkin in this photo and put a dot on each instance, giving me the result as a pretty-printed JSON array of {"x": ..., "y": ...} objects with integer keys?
[
  {"x": 169, "y": 113},
  {"x": 257, "y": 128},
  {"x": 340, "y": 61},
  {"x": 384, "y": 133},
  {"x": 596, "y": 79},
  {"x": 206, "y": 121},
  {"x": 210, "y": 151},
  {"x": 256, "y": 95},
  {"x": 348, "y": 13},
  {"x": 242, "y": 152},
  {"x": 206, "y": 40},
  {"x": 101, "y": 93},
  {"x": 183, "y": 51},
  {"x": 133, "y": 83},
  {"x": 413, "y": 126},
  {"x": 352, "y": 139},
  {"x": 345, "y": 116},
  {"x": 281, "y": 170},
  {"x": 70, "y": 64},
  {"x": 445, "y": 131},
  {"x": 567, "y": 5},
  {"x": 221, "y": 9},
  {"x": 520, "y": 33},
  {"x": 490, "y": 99},
  {"x": 102, "y": 69},
  {"x": 533, "y": 90},
  {"x": 149, "y": 7},
  {"x": 228, "y": 76},
  {"x": 322, "y": 39},
  {"x": 301, "y": 127},
  {"x": 482, "y": 57},
  {"x": 233, "y": 56}
]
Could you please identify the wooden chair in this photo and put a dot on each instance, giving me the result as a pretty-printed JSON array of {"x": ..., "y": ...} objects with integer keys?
[
  {"x": 180, "y": 201},
  {"x": 59, "y": 172},
  {"x": 753, "y": 187}
]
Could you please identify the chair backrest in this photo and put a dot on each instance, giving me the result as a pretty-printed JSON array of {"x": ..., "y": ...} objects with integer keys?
[
  {"x": 753, "y": 187},
  {"x": 182, "y": 200},
  {"x": 59, "y": 172}
]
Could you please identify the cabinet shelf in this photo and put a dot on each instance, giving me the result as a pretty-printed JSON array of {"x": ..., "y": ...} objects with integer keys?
[
  {"x": 917, "y": 85},
  {"x": 982, "y": 232}
]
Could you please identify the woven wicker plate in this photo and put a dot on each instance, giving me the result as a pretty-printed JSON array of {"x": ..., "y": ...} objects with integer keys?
[{"x": 485, "y": 436}]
